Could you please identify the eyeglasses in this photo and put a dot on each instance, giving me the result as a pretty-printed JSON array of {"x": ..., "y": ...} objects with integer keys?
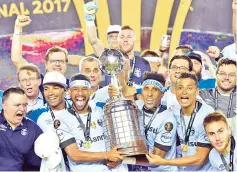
[
  {"x": 57, "y": 61},
  {"x": 181, "y": 68},
  {"x": 24, "y": 81},
  {"x": 230, "y": 75}
]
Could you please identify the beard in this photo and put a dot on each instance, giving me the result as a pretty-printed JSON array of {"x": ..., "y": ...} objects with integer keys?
[{"x": 199, "y": 76}]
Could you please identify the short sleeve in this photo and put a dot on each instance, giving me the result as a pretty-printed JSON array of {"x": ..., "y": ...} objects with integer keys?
[
  {"x": 202, "y": 138},
  {"x": 166, "y": 135},
  {"x": 65, "y": 133}
]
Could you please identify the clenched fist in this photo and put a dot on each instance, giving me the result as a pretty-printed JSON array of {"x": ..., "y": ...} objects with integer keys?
[{"x": 22, "y": 21}]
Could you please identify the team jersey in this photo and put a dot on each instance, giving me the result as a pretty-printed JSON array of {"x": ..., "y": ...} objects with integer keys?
[
  {"x": 141, "y": 66},
  {"x": 161, "y": 133},
  {"x": 70, "y": 131},
  {"x": 216, "y": 161},
  {"x": 197, "y": 136}
]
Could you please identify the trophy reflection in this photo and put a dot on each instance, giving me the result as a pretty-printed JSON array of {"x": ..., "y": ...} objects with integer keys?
[{"x": 121, "y": 117}]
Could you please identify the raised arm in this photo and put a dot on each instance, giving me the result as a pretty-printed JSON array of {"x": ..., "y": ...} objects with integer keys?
[
  {"x": 90, "y": 9},
  {"x": 16, "y": 51}
]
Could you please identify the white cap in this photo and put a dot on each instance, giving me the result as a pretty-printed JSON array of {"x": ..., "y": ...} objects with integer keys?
[
  {"x": 55, "y": 78},
  {"x": 113, "y": 28},
  {"x": 47, "y": 148}
]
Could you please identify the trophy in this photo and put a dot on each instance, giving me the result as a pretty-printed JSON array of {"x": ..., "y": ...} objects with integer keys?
[{"x": 121, "y": 122}]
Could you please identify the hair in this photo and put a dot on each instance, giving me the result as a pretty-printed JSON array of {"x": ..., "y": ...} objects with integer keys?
[
  {"x": 79, "y": 76},
  {"x": 127, "y": 27},
  {"x": 155, "y": 76},
  {"x": 185, "y": 48},
  {"x": 11, "y": 90},
  {"x": 189, "y": 75},
  {"x": 56, "y": 49},
  {"x": 214, "y": 117},
  {"x": 190, "y": 64},
  {"x": 29, "y": 67},
  {"x": 88, "y": 59},
  {"x": 225, "y": 61},
  {"x": 146, "y": 52}
]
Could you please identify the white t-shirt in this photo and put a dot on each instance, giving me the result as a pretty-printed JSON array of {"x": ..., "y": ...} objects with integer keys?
[
  {"x": 216, "y": 161},
  {"x": 197, "y": 136},
  {"x": 230, "y": 52},
  {"x": 70, "y": 132},
  {"x": 161, "y": 134}
]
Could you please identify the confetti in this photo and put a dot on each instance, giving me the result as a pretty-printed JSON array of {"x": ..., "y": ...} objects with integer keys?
[
  {"x": 28, "y": 73},
  {"x": 191, "y": 8}
]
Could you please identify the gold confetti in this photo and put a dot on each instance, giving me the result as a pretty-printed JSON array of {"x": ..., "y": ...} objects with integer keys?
[
  {"x": 191, "y": 8},
  {"x": 28, "y": 73}
]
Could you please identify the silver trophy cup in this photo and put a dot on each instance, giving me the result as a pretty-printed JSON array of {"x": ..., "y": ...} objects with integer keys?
[{"x": 122, "y": 124}]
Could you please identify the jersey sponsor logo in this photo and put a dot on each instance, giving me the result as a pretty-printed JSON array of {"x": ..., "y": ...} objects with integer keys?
[
  {"x": 24, "y": 132},
  {"x": 168, "y": 126},
  {"x": 100, "y": 122},
  {"x": 189, "y": 143},
  {"x": 137, "y": 72},
  {"x": 92, "y": 140},
  {"x": 166, "y": 137},
  {"x": 49, "y": 121},
  {"x": 3, "y": 127},
  {"x": 153, "y": 130}
]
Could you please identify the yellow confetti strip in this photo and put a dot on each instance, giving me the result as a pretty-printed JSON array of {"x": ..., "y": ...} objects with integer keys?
[{"x": 28, "y": 73}]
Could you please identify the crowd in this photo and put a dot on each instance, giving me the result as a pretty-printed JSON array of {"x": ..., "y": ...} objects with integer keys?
[{"x": 187, "y": 106}]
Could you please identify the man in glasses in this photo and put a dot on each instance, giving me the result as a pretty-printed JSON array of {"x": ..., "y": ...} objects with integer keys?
[
  {"x": 223, "y": 97},
  {"x": 29, "y": 80},
  {"x": 177, "y": 66}
]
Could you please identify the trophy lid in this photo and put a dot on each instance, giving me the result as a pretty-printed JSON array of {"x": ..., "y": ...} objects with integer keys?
[{"x": 111, "y": 61}]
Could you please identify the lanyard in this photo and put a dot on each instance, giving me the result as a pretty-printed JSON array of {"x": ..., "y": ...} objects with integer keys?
[
  {"x": 86, "y": 129},
  {"x": 160, "y": 109},
  {"x": 190, "y": 124},
  {"x": 132, "y": 72},
  {"x": 230, "y": 103},
  {"x": 232, "y": 148}
]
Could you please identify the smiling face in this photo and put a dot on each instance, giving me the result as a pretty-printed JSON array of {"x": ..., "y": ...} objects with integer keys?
[
  {"x": 15, "y": 109},
  {"x": 29, "y": 81},
  {"x": 186, "y": 92},
  {"x": 226, "y": 83},
  {"x": 80, "y": 97},
  {"x": 54, "y": 95},
  {"x": 219, "y": 135},
  {"x": 56, "y": 62},
  {"x": 151, "y": 96}
]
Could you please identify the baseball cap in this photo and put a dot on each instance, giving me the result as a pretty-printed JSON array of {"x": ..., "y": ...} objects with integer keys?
[
  {"x": 55, "y": 78},
  {"x": 195, "y": 56},
  {"x": 47, "y": 148},
  {"x": 113, "y": 29}
]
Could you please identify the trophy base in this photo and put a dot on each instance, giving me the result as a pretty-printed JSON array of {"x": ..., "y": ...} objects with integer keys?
[{"x": 133, "y": 148}]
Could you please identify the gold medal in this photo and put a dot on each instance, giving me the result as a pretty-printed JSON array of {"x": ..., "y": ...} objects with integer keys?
[
  {"x": 87, "y": 144},
  {"x": 185, "y": 148}
]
